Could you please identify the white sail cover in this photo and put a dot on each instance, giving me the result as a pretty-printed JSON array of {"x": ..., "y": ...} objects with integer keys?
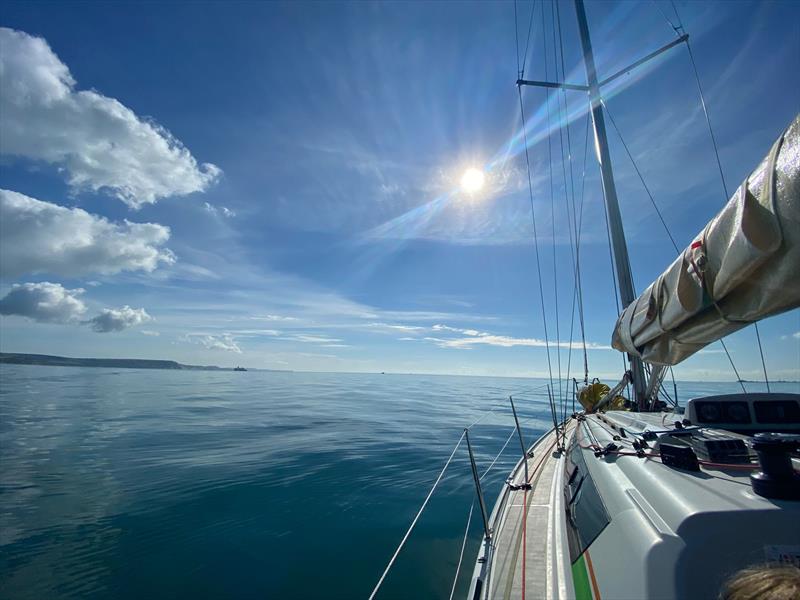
[{"x": 743, "y": 267}]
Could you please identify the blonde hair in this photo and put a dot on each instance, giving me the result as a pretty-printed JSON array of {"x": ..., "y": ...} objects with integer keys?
[{"x": 763, "y": 582}]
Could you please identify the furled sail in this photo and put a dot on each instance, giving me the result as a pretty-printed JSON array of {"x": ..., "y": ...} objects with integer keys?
[{"x": 743, "y": 267}]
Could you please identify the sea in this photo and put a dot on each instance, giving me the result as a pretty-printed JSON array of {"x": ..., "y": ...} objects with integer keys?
[{"x": 129, "y": 483}]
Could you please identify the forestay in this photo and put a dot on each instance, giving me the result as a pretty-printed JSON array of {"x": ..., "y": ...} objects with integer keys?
[{"x": 743, "y": 267}]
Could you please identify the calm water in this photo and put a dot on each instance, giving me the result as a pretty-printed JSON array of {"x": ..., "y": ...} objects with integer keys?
[{"x": 136, "y": 483}]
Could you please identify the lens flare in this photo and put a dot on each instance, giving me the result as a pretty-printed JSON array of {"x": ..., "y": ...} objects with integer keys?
[{"x": 472, "y": 180}]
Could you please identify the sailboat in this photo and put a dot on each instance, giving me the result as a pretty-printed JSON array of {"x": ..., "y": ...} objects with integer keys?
[
  {"x": 629, "y": 498},
  {"x": 644, "y": 502}
]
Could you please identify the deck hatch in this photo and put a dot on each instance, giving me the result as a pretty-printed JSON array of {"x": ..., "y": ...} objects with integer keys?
[{"x": 586, "y": 513}]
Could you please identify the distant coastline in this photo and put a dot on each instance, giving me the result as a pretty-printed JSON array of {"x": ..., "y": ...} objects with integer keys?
[{"x": 114, "y": 363}]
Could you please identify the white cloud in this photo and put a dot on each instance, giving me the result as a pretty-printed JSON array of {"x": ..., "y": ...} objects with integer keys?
[
  {"x": 100, "y": 143},
  {"x": 150, "y": 333},
  {"x": 44, "y": 302},
  {"x": 215, "y": 342},
  {"x": 117, "y": 319},
  {"x": 219, "y": 210},
  {"x": 308, "y": 338},
  {"x": 474, "y": 337},
  {"x": 272, "y": 318},
  {"x": 40, "y": 237},
  {"x": 257, "y": 332},
  {"x": 389, "y": 328}
]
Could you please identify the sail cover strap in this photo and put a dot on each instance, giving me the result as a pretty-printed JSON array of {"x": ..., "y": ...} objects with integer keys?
[{"x": 743, "y": 267}]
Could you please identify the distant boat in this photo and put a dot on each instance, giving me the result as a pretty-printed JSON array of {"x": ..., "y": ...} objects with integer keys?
[{"x": 238, "y": 368}]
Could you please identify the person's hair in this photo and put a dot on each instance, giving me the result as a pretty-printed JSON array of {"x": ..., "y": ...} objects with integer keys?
[{"x": 763, "y": 582}]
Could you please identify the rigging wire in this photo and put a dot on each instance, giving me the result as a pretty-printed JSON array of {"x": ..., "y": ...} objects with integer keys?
[
  {"x": 463, "y": 545},
  {"x": 613, "y": 275},
  {"x": 516, "y": 38},
  {"x": 674, "y": 386},
  {"x": 472, "y": 506},
  {"x": 497, "y": 456},
  {"x": 416, "y": 518},
  {"x": 569, "y": 187},
  {"x": 521, "y": 68},
  {"x": 535, "y": 236},
  {"x": 657, "y": 4},
  {"x": 577, "y": 279},
  {"x": 761, "y": 351},
  {"x": 552, "y": 194},
  {"x": 528, "y": 40},
  {"x": 680, "y": 30},
  {"x": 641, "y": 178},
  {"x": 733, "y": 366},
  {"x": 576, "y": 223}
]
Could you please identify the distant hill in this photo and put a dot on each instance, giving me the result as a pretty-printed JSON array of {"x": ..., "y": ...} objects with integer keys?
[{"x": 117, "y": 363}]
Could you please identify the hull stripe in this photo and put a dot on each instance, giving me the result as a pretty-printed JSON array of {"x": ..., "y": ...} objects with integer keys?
[
  {"x": 591, "y": 576},
  {"x": 580, "y": 580}
]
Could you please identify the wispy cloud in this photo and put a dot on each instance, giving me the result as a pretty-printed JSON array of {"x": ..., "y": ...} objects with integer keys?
[
  {"x": 219, "y": 211},
  {"x": 272, "y": 318},
  {"x": 224, "y": 342},
  {"x": 474, "y": 338}
]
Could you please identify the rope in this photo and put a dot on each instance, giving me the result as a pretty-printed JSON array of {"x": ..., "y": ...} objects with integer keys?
[
  {"x": 461, "y": 554},
  {"x": 416, "y": 518}
]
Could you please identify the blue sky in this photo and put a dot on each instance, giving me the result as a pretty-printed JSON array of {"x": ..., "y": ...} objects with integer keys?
[{"x": 277, "y": 185}]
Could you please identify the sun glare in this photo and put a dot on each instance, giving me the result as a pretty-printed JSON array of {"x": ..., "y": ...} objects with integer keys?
[{"x": 472, "y": 180}]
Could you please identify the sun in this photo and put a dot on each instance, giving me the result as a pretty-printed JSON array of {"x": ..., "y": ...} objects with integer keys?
[{"x": 472, "y": 180}]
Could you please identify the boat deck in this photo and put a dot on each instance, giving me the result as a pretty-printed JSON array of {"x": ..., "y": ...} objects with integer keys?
[{"x": 520, "y": 553}]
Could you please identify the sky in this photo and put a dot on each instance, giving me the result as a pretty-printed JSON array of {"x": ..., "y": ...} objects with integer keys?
[{"x": 280, "y": 185}]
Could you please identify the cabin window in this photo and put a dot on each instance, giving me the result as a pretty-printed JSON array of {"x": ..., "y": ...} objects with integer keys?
[
  {"x": 586, "y": 513},
  {"x": 777, "y": 411}
]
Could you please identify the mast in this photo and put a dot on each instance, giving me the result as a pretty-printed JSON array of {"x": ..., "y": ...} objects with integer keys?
[{"x": 622, "y": 263}]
